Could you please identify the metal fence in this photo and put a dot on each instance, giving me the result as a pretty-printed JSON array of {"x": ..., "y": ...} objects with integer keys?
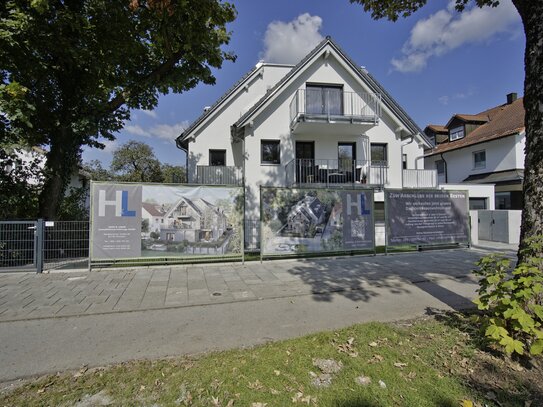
[
  {"x": 18, "y": 241},
  {"x": 44, "y": 245},
  {"x": 65, "y": 245}
]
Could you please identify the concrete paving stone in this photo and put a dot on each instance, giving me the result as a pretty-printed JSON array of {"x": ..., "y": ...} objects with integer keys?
[
  {"x": 95, "y": 299},
  {"x": 100, "y": 308},
  {"x": 127, "y": 305},
  {"x": 156, "y": 289},
  {"x": 196, "y": 284},
  {"x": 197, "y": 293},
  {"x": 153, "y": 300},
  {"x": 237, "y": 285},
  {"x": 45, "y": 311},
  {"x": 243, "y": 295},
  {"x": 78, "y": 309}
]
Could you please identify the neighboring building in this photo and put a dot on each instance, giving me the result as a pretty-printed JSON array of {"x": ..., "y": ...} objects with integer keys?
[
  {"x": 323, "y": 122},
  {"x": 485, "y": 148}
]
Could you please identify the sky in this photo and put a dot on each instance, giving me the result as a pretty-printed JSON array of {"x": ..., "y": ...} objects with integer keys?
[{"x": 434, "y": 63}]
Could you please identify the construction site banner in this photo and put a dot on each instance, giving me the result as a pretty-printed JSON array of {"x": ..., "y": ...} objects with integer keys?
[
  {"x": 297, "y": 221},
  {"x": 157, "y": 221},
  {"x": 426, "y": 217}
]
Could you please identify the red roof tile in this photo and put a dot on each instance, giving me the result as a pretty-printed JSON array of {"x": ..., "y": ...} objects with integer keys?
[{"x": 504, "y": 120}]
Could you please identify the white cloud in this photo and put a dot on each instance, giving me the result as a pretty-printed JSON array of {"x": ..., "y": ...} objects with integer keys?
[
  {"x": 167, "y": 131},
  {"x": 136, "y": 130},
  {"x": 150, "y": 113},
  {"x": 444, "y": 100},
  {"x": 162, "y": 131},
  {"x": 289, "y": 42},
  {"x": 110, "y": 145},
  {"x": 446, "y": 30}
]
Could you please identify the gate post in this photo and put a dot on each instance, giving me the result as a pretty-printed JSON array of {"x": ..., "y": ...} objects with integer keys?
[{"x": 39, "y": 245}]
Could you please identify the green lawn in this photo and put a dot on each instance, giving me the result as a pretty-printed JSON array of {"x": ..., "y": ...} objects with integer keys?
[{"x": 427, "y": 362}]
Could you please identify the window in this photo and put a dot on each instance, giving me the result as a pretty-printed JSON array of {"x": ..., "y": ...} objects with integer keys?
[
  {"x": 477, "y": 203},
  {"x": 456, "y": 133},
  {"x": 270, "y": 152},
  {"x": 324, "y": 99},
  {"x": 440, "y": 167},
  {"x": 346, "y": 153},
  {"x": 479, "y": 159},
  {"x": 404, "y": 161},
  {"x": 379, "y": 154},
  {"x": 217, "y": 157},
  {"x": 502, "y": 200}
]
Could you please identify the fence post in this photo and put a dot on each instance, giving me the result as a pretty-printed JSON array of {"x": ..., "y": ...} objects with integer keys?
[{"x": 39, "y": 245}]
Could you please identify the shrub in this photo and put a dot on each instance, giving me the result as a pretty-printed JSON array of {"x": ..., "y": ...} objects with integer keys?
[{"x": 512, "y": 301}]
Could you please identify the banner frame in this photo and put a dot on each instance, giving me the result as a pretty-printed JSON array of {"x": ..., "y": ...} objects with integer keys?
[
  {"x": 166, "y": 259},
  {"x": 387, "y": 235},
  {"x": 348, "y": 252}
]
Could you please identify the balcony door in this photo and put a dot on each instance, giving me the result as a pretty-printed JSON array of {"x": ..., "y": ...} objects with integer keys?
[
  {"x": 305, "y": 161},
  {"x": 324, "y": 99},
  {"x": 347, "y": 160}
]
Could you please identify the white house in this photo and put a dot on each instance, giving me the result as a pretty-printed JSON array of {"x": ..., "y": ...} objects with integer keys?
[
  {"x": 323, "y": 122},
  {"x": 485, "y": 148}
]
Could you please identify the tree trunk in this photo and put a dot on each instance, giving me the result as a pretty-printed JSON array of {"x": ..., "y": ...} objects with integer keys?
[
  {"x": 61, "y": 162},
  {"x": 531, "y": 12}
]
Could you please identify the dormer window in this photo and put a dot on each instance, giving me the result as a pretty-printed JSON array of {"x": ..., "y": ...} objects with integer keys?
[{"x": 456, "y": 133}]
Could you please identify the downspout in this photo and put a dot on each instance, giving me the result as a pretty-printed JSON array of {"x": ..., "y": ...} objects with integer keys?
[
  {"x": 446, "y": 170},
  {"x": 179, "y": 145}
]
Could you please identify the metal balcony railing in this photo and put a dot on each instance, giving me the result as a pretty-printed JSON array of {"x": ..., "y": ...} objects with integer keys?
[
  {"x": 324, "y": 172},
  {"x": 334, "y": 104},
  {"x": 218, "y": 175},
  {"x": 419, "y": 178}
]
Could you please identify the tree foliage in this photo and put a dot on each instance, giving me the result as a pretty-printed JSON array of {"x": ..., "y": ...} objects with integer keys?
[
  {"x": 71, "y": 71},
  {"x": 512, "y": 301},
  {"x": 135, "y": 161},
  {"x": 531, "y": 13}
]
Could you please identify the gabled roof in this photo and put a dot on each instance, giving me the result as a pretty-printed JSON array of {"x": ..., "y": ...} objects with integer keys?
[
  {"x": 437, "y": 128},
  {"x": 473, "y": 118},
  {"x": 369, "y": 80},
  {"x": 503, "y": 120},
  {"x": 188, "y": 202},
  {"x": 216, "y": 105}
]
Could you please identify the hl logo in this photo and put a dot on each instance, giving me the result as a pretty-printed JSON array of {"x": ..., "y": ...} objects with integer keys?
[
  {"x": 359, "y": 205},
  {"x": 120, "y": 203}
]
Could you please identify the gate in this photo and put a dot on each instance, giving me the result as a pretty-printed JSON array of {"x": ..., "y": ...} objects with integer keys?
[
  {"x": 499, "y": 225},
  {"x": 18, "y": 245}
]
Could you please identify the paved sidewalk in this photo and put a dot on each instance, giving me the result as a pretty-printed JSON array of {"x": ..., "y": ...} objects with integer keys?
[
  {"x": 31, "y": 296},
  {"x": 58, "y": 322}
]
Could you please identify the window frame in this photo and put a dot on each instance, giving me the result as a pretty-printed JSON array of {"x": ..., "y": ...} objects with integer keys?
[
  {"x": 482, "y": 164},
  {"x": 214, "y": 150},
  {"x": 457, "y": 130},
  {"x": 271, "y": 141},
  {"x": 323, "y": 88},
  {"x": 385, "y": 149}
]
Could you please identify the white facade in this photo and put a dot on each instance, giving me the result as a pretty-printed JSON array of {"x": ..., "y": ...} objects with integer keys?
[
  {"x": 271, "y": 105},
  {"x": 503, "y": 154}
]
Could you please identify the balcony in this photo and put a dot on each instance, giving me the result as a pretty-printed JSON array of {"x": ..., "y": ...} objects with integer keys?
[
  {"x": 218, "y": 175},
  {"x": 348, "y": 111},
  {"x": 336, "y": 172},
  {"x": 419, "y": 178}
]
